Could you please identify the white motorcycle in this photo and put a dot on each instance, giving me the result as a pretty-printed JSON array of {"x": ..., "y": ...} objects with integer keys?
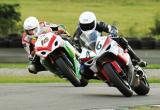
[
  {"x": 104, "y": 57},
  {"x": 59, "y": 56}
]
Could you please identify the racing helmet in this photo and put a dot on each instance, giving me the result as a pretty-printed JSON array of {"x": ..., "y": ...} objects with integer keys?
[
  {"x": 31, "y": 25},
  {"x": 87, "y": 22}
]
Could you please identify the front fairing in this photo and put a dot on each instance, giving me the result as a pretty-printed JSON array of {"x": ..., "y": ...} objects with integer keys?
[
  {"x": 70, "y": 49},
  {"x": 92, "y": 45},
  {"x": 72, "y": 54},
  {"x": 49, "y": 43},
  {"x": 96, "y": 46}
]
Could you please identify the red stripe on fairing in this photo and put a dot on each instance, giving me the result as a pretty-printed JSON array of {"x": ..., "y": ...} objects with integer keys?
[
  {"x": 104, "y": 72},
  {"x": 108, "y": 40},
  {"x": 49, "y": 47},
  {"x": 85, "y": 59},
  {"x": 94, "y": 51},
  {"x": 123, "y": 58},
  {"x": 116, "y": 66}
]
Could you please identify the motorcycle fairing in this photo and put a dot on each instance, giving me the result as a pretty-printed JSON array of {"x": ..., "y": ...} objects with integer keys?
[
  {"x": 111, "y": 46},
  {"x": 86, "y": 55},
  {"x": 46, "y": 43}
]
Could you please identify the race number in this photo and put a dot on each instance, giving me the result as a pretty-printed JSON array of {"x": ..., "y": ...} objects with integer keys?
[
  {"x": 43, "y": 41},
  {"x": 87, "y": 54},
  {"x": 99, "y": 46}
]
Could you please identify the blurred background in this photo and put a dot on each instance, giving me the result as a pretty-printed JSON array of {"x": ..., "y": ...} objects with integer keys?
[{"x": 136, "y": 20}]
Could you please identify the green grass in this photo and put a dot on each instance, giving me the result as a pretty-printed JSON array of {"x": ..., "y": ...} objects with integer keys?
[
  {"x": 144, "y": 108},
  {"x": 154, "y": 80},
  {"x": 153, "y": 66},
  {"x": 13, "y": 65},
  {"x": 147, "y": 107},
  {"x": 130, "y": 16},
  {"x": 24, "y": 65},
  {"x": 29, "y": 78}
]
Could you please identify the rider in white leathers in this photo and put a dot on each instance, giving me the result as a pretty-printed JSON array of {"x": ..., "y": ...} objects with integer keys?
[{"x": 33, "y": 28}]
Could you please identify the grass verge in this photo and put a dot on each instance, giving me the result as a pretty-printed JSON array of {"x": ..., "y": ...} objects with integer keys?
[
  {"x": 24, "y": 65},
  {"x": 144, "y": 108},
  {"x": 13, "y": 65},
  {"x": 30, "y": 79},
  {"x": 153, "y": 66},
  {"x": 47, "y": 79}
]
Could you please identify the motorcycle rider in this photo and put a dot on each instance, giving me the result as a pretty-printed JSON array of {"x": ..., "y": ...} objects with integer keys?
[
  {"x": 33, "y": 28},
  {"x": 87, "y": 24}
]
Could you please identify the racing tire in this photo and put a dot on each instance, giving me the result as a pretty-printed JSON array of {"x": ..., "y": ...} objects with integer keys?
[
  {"x": 68, "y": 72},
  {"x": 118, "y": 82}
]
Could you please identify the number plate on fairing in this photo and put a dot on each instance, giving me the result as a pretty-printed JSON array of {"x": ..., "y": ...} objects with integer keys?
[
  {"x": 43, "y": 40},
  {"x": 99, "y": 44}
]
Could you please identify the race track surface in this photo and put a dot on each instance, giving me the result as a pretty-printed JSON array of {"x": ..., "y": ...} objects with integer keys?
[
  {"x": 13, "y": 55},
  {"x": 63, "y": 96}
]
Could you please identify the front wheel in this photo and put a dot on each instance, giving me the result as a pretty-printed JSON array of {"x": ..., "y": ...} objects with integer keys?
[
  {"x": 143, "y": 88},
  {"x": 68, "y": 72},
  {"x": 121, "y": 84}
]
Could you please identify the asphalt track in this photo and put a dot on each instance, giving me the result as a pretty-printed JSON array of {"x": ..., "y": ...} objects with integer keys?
[
  {"x": 63, "y": 96},
  {"x": 60, "y": 96}
]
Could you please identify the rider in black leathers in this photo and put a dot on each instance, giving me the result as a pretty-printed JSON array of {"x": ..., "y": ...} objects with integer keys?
[{"x": 102, "y": 27}]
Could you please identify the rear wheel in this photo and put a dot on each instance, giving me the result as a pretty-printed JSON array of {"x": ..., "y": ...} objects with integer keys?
[
  {"x": 121, "y": 84},
  {"x": 68, "y": 72},
  {"x": 143, "y": 88}
]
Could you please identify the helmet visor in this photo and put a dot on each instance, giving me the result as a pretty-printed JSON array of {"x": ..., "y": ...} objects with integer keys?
[{"x": 86, "y": 27}]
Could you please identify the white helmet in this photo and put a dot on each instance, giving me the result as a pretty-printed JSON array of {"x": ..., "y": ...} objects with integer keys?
[
  {"x": 87, "y": 22},
  {"x": 31, "y": 23}
]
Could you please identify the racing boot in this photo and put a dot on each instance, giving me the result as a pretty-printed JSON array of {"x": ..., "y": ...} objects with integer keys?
[
  {"x": 35, "y": 66},
  {"x": 32, "y": 69}
]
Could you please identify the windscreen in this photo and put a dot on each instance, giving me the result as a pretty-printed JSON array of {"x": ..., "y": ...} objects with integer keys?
[{"x": 89, "y": 40}]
